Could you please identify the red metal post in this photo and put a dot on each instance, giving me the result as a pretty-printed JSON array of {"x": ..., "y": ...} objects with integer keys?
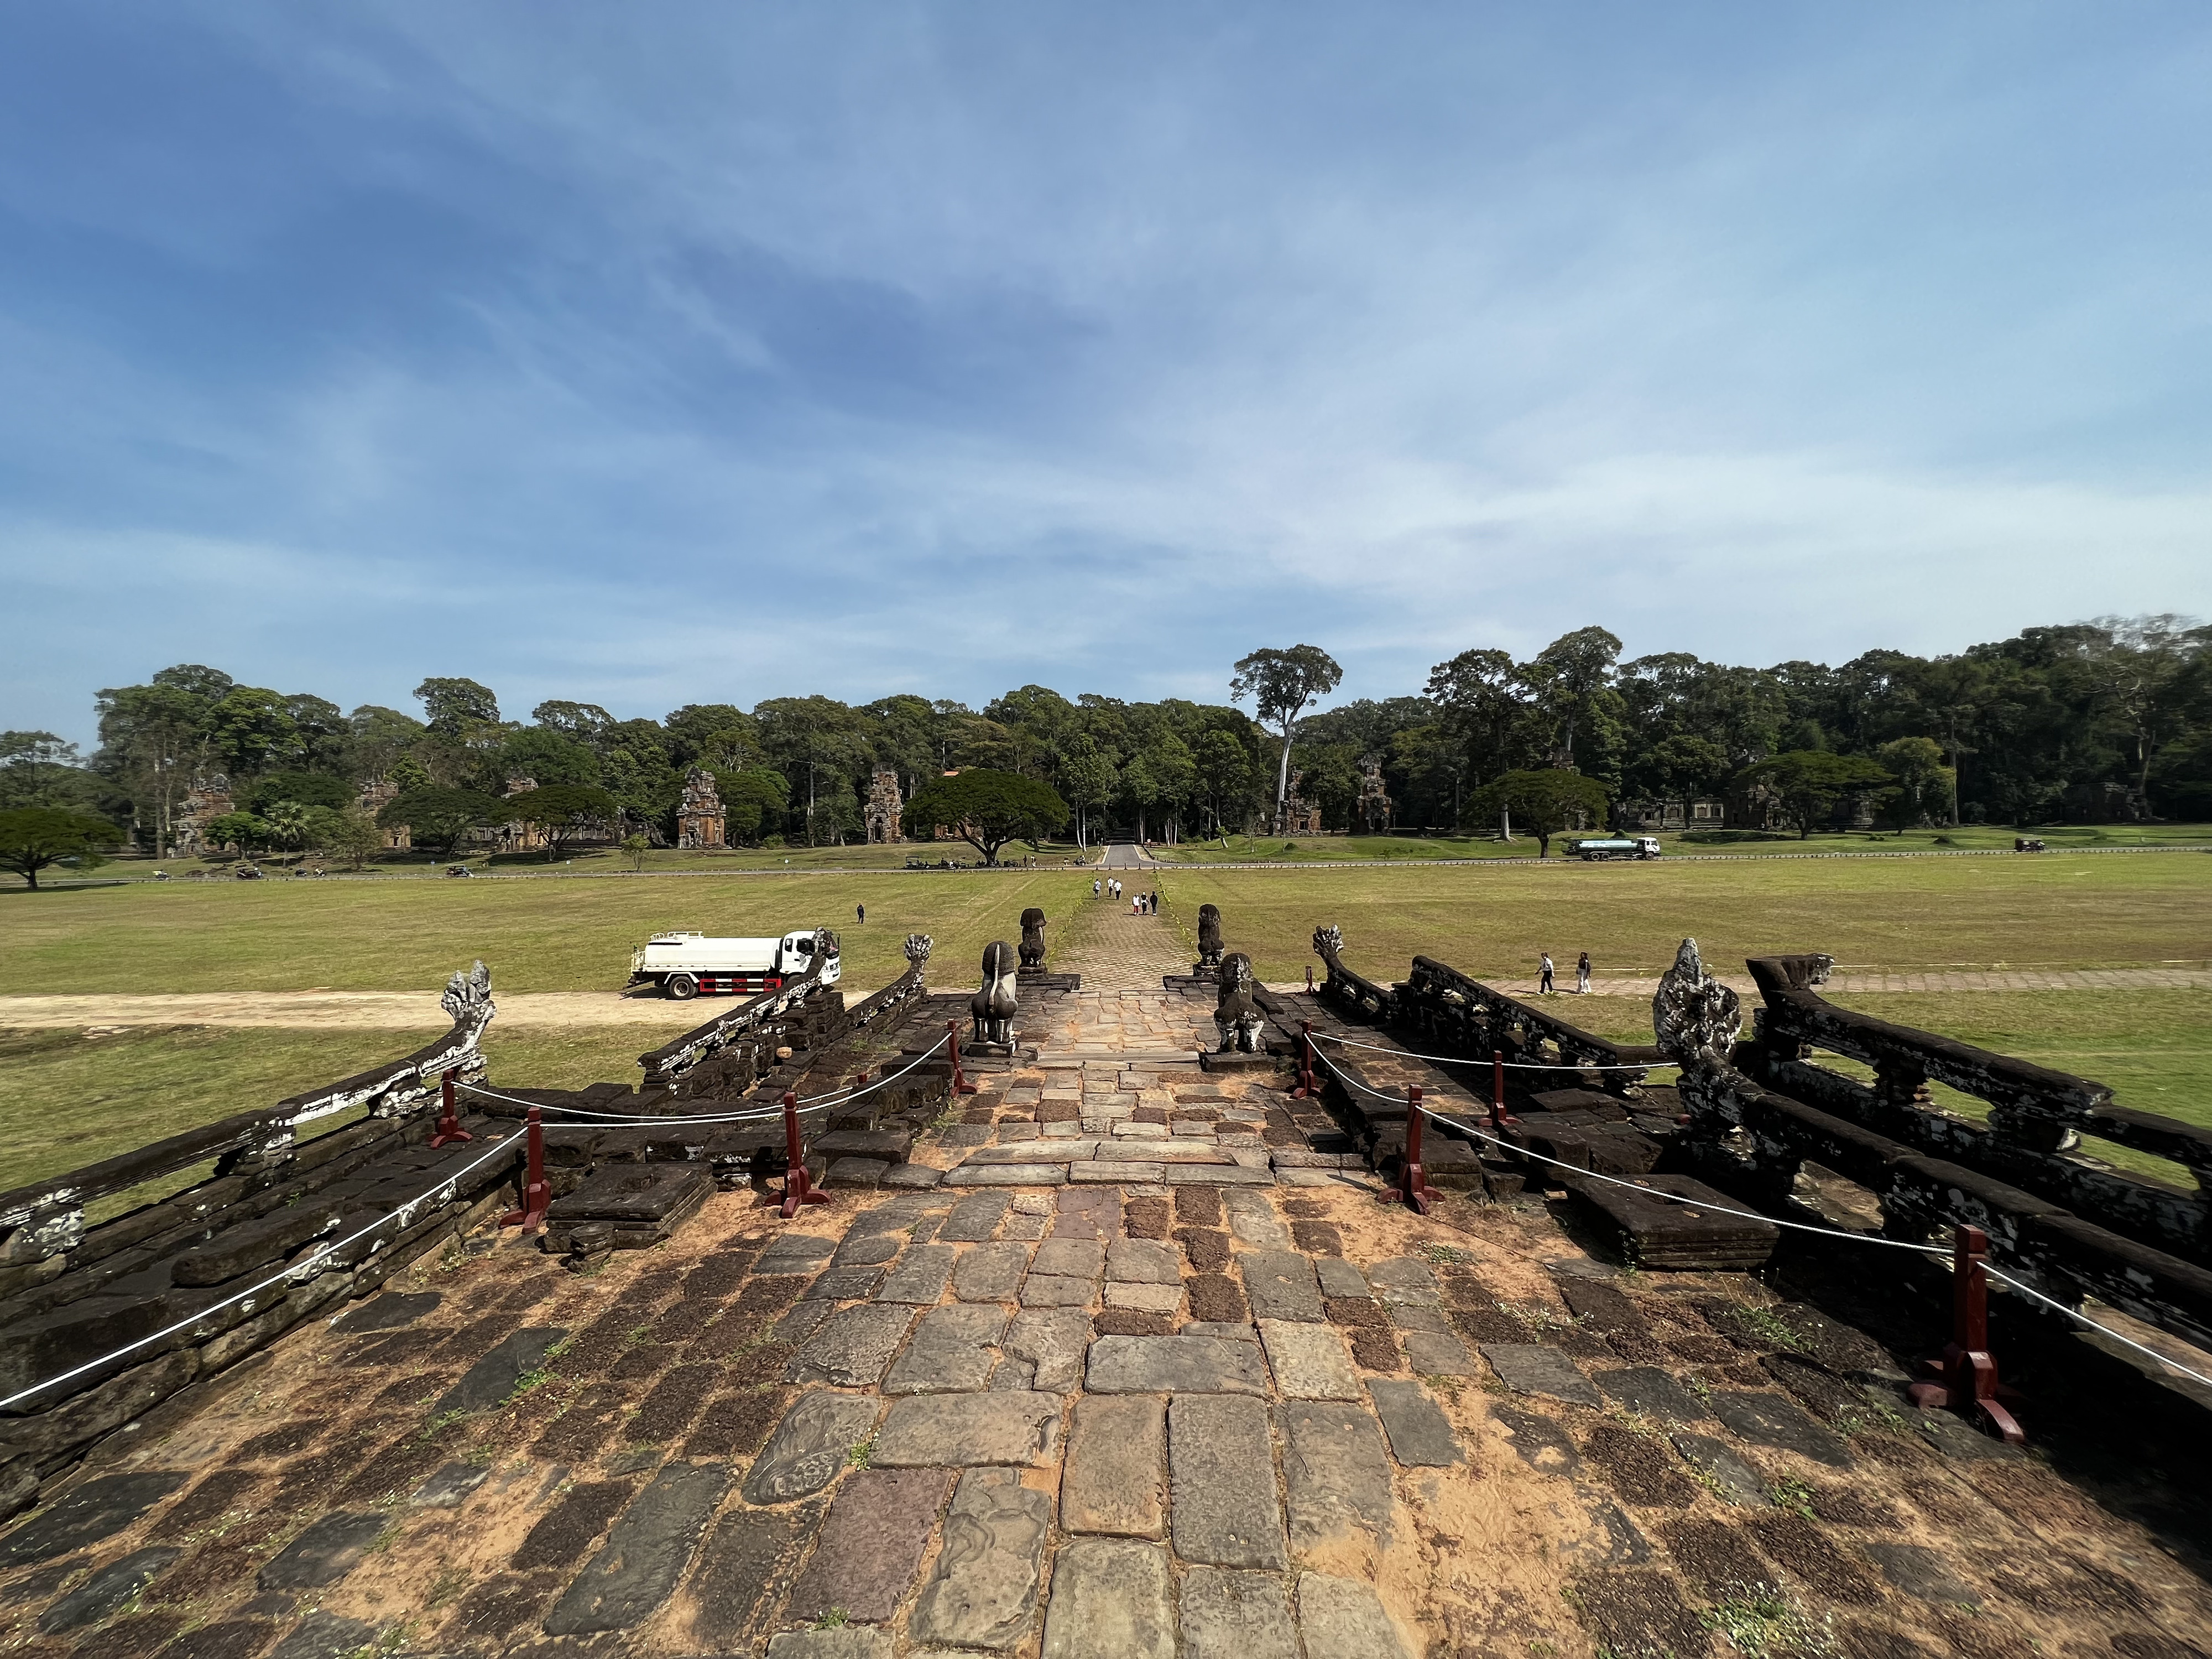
[
  {"x": 1413, "y": 1189},
  {"x": 1500, "y": 1117},
  {"x": 961, "y": 1085},
  {"x": 1309, "y": 1086},
  {"x": 536, "y": 1191},
  {"x": 449, "y": 1127},
  {"x": 1969, "y": 1371},
  {"x": 798, "y": 1189},
  {"x": 1309, "y": 984}
]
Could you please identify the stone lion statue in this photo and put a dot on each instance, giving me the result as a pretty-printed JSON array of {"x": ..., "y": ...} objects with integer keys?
[
  {"x": 1032, "y": 939},
  {"x": 1209, "y": 937},
  {"x": 1236, "y": 1015},
  {"x": 993, "y": 1006}
]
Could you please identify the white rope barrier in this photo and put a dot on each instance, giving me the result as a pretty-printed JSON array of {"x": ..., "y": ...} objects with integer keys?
[
  {"x": 2107, "y": 1330},
  {"x": 291, "y": 1270}
]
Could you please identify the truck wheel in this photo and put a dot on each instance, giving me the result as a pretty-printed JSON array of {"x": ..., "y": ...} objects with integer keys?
[{"x": 683, "y": 986}]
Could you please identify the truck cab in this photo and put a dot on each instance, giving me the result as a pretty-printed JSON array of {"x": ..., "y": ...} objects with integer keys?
[{"x": 687, "y": 965}]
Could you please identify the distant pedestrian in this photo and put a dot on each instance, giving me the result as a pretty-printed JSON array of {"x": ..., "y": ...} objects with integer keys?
[
  {"x": 1094, "y": 888},
  {"x": 860, "y": 913},
  {"x": 1582, "y": 976},
  {"x": 1544, "y": 974},
  {"x": 1156, "y": 904}
]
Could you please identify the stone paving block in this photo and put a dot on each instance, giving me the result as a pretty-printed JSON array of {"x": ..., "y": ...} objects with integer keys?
[
  {"x": 1771, "y": 1420},
  {"x": 871, "y": 1247},
  {"x": 1114, "y": 1480},
  {"x": 799, "y": 1325},
  {"x": 1222, "y": 1329},
  {"x": 851, "y": 1350},
  {"x": 1070, "y": 1258},
  {"x": 1418, "y": 1316},
  {"x": 1732, "y": 1479},
  {"x": 1308, "y": 1361},
  {"x": 1110, "y": 1600},
  {"x": 1007, "y": 1175},
  {"x": 1437, "y": 1353},
  {"x": 1336, "y": 1478},
  {"x": 1532, "y": 1369},
  {"x": 1144, "y": 1261},
  {"x": 449, "y": 1488},
  {"x": 1115, "y": 1174},
  {"x": 326, "y": 1551},
  {"x": 811, "y": 1444},
  {"x": 1298, "y": 1177},
  {"x": 1650, "y": 1392},
  {"x": 961, "y": 1431},
  {"x": 1280, "y": 1285},
  {"x": 974, "y": 1218},
  {"x": 860, "y": 1172},
  {"x": 493, "y": 1377},
  {"x": 953, "y": 1350},
  {"x": 1235, "y": 1615},
  {"x": 849, "y": 1642},
  {"x": 743, "y": 1569},
  {"x": 1127, "y": 1130},
  {"x": 1402, "y": 1278},
  {"x": 645, "y": 1554},
  {"x": 1035, "y": 1203},
  {"x": 845, "y": 1284},
  {"x": 1921, "y": 1572},
  {"x": 983, "y": 1592},
  {"x": 1420, "y": 1435},
  {"x": 318, "y": 1635},
  {"x": 1339, "y": 1278},
  {"x": 1052, "y": 1341},
  {"x": 1224, "y": 1510},
  {"x": 108, "y": 1589},
  {"x": 794, "y": 1253},
  {"x": 990, "y": 1273},
  {"x": 912, "y": 1176},
  {"x": 1344, "y": 1618},
  {"x": 99, "y": 1509},
  {"x": 1145, "y": 1299},
  {"x": 1175, "y": 1365},
  {"x": 921, "y": 1277},
  {"x": 1254, "y": 1222},
  {"x": 1538, "y": 1440},
  {"x": 1044, "y": 1291},
  {"x": 872, "y": 1545}
]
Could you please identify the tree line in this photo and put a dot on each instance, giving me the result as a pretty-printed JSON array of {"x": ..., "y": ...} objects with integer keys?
[{"x": 2081, "y": 722}]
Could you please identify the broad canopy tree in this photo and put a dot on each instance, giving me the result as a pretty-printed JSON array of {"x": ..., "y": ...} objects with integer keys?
[
  {"x": 562, "y": 811},
  {"x": 1808, "y": 783},
  {"x": 1283, "y": 685},
  {"x": 437, "y": 818},
  {"x": 34, "y": 837},
  {"x": 1546, "y": 802},
  {"x": 986, "y": 809}
]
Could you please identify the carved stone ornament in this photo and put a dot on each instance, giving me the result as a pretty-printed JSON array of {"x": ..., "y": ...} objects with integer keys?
[
  {"x": 467, "y": 994},
  {"x": 995, "y": 1006},
  {"x": 917, "y": 950},
  {"x": 1032, "y": 938},
  {"x": 1209, "y": 936},
  {"x": 1236, "y": 1015},
  {"x": 1328, "y": 941},
  {"x": 1693, "y": 1016}
]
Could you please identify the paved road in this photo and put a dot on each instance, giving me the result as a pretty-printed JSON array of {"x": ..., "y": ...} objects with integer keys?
[{"x": 1125, "y": 855}]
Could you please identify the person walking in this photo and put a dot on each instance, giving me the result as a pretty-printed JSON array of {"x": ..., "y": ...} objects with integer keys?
[
  {"x": 1094, "y": 888},
  {"x": 1582, "y": 976},
  {"x": 860, "y": 913},
  {"x": 1544, "y": 974}
]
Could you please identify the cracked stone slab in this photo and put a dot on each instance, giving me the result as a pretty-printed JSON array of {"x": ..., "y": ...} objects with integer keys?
[
  {"x": 493, "y": 1377},
  {"x": 851, "y": 1350},
  {"x": 870, "y": 1547},
  {"x": 974, "y": 1218},
  {"x": 1226, "y": 1512},
  {"x": 1253, "y": 1221},
  {"x": 325, "y": 1635},
  {"x": 1336, "y": 1477},
  {"x": 1344, "y": 1618},
  {"x": 990, "y": 1273},
  {"x": 1050, "y": 1344},
  {"x": 1280, "y": 1285},
  {"x": 99, "y": 1509},
  {"x": 627, "y": 1581},
  {"x": 1007, "y": 1175},
  {"x": 1772, "y": 1419},
  {"x": 953, "y": 1350},
  {"x": 1113, "y": 1480},
  {"x": 1175, "y": 1365},
  {"x": 1144, "y": 1261},
  {"x": 1118, "y": 1173},
  {"x": 1437, "y": 1353},
  {"x": 1340, "y": 1277},
  {"x": 961, "y": 1431},
  {"x": 1224, "y": 1175},
  {"x": 794, "y": 1253},
  {"x": 812, "y": 1442},
  {"x": 106, "y": 1590},
  {"x": 1532, "y": 1369},
  {"x": 1538, "y": 1442},
  {"x": 851, "y": 1641},
  {"x": 1070, "y": 1258},
  {"x": 1652, "y": 1392},
  {"x": 1052, "y": 1291},
  {"x": 921, "y": 1277},
  {"x": 1308, "y": 1361},
  {"x": 982, "y": 1591},
  {"x": 1226, "y": 1614},
  {"x": 870, "y": 1248},
  {"x": 1420, "y": 1435},
  {"x": 1402, "y": 1278},
  {"x": 450, "y": 1488},
  {"x": 1110, "y": 1600},
  {"x": 1144, "y": 1298},
  {"x": 1920, "y": 1572},
  {"x": 1732, "y": 1479}
]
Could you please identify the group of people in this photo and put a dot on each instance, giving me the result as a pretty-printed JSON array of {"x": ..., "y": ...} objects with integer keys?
[
  {"x": 1544, "y": 974},
  {"x": 1140, "y": 904}
]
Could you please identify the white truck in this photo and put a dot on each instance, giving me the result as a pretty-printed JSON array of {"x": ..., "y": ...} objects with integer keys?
[
  {"x": 1598, "y": 849},
  {"x": 686, "y": 965}
]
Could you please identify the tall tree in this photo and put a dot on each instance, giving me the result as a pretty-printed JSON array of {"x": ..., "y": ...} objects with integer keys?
[
  {"x": 34, "y": 837},
  {"x": 1283, "y": 685},
  {"x": 1546, "y": 802},
  {"x": 154, "y": 739},
  {"x": 986, "y": 809},
  {"x": 1809, "y": 783}
]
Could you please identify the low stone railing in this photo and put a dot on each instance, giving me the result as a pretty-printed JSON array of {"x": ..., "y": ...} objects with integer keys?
[
  {"x": 1455, "y": 1014},
  {"x": 757, "y": 1018}
]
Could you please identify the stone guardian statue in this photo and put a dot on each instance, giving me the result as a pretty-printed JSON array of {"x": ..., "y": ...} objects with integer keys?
[{"x": 993, "y": 1006}]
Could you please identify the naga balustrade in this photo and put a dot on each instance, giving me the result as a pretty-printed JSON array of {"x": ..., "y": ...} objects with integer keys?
[{"x": 2054, "y": 1217}]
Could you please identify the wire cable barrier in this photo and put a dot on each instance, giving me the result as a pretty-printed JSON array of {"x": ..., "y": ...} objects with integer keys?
[
  {"x": 1750, "y": 1215},
  {"x": 290, "y": 1270},
  {"x": 814, "y": 1105}
]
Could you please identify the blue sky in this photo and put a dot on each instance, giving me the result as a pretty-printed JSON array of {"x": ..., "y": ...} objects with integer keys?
[{"x": 681, "y": 353}]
